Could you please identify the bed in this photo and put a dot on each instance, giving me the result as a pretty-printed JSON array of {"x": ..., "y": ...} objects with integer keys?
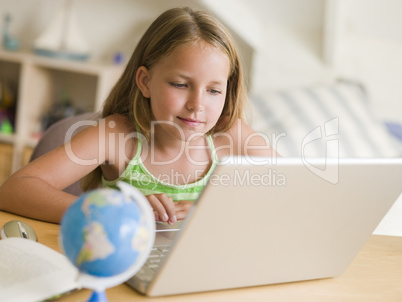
[{"x": 324, "y": 121}]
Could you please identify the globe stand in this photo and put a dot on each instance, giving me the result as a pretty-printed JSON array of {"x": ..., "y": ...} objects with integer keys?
[
  {"x": 98, "y": 285},
  {"x": 98, "y": 296}
]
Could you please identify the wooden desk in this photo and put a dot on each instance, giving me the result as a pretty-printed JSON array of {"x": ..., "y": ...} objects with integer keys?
[{"x": 374, "y": 275}]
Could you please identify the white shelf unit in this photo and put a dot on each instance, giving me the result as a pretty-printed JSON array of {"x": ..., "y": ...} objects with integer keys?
[{"x": 41, "y": 82}]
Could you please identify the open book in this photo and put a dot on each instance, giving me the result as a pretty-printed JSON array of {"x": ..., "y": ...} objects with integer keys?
[{"x": 31, "y": 271}]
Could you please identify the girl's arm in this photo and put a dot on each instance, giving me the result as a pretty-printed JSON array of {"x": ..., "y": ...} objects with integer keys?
[{"x": 36, "y": 190}]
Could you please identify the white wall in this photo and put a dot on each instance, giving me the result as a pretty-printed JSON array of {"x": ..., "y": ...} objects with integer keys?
[
  {"x": 317, "y": 41},
  {"x": 370, "y": 47}
]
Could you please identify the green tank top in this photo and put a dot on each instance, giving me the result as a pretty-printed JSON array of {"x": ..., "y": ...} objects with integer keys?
[{"x": 138, "y": 176}]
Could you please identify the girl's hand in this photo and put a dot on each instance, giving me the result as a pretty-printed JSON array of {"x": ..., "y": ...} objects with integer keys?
[
  {"x": 164, "y": 207},
  {"x": 182, "y": 208}
]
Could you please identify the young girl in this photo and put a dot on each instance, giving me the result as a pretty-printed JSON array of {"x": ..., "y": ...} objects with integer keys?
[{"x": 176, "y": 109}]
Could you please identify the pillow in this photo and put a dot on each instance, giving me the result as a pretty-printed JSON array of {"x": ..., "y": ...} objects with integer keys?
[{"x": 322, "y": 121}]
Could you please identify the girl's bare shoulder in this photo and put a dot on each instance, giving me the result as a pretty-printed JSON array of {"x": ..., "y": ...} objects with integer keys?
[
  {"x": 122, "y": 143},
  {"x": 123, "y": 132}
]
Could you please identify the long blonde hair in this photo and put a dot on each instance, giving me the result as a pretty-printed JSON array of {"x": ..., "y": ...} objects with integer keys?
[{"x": 172, "y": 28}]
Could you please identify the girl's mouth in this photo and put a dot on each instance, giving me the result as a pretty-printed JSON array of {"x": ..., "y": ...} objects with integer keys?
[{"x": 190, "y": 121}]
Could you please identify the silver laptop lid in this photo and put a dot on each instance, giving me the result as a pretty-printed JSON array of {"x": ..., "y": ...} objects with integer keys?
[{"x": 260, "y": 222}]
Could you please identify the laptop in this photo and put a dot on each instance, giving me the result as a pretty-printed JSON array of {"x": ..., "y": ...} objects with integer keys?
[{"x": 266, "y": 221}]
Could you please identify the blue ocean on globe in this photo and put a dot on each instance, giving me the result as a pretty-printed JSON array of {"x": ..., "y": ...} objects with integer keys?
[{"x": 103, "y": 232}]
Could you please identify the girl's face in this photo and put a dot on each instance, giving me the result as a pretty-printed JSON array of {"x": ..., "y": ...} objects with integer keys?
[{"x": 187, "y": 89}]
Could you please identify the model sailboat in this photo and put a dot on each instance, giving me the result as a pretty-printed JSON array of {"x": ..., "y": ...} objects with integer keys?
[{"x": 62, "y": 38}]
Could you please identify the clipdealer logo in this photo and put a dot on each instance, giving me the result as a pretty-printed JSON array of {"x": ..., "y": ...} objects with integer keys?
[
  {"x": 329, "y": 132},
  {"x": 246, "y": 178}
]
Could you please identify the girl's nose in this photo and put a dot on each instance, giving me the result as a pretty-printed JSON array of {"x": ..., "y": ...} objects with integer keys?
[{"x": 195, "y": 102}]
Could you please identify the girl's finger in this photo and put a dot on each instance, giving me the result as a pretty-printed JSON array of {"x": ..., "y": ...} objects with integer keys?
[
  {"x": 164, "y": 207},
  {"x": 156, "y": 204},
  {"x": 169, "y": 207}
]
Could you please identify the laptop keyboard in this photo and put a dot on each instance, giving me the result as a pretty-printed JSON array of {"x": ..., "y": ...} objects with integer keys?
[{"x": 144, "y": 276}]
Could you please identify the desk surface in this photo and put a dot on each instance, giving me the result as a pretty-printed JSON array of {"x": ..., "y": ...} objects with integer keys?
[{"x": 374, "y": 275}]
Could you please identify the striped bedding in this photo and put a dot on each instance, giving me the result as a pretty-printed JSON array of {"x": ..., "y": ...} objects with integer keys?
[{"x": 322, "y": 121}]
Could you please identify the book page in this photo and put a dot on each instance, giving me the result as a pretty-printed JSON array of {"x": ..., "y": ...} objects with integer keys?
[{"x": 31, "y": 271}]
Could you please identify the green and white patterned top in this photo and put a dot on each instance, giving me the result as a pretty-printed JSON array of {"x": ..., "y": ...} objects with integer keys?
[{"x": 138, "y": 176}]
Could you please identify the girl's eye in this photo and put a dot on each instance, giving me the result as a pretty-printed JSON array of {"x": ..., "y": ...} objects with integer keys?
[
  {"x": 178, "y": 85},
  {"x": 213, "y": 91}
]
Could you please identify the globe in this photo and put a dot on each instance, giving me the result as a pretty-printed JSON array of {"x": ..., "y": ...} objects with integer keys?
[{"x": 108, "y": 234}]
